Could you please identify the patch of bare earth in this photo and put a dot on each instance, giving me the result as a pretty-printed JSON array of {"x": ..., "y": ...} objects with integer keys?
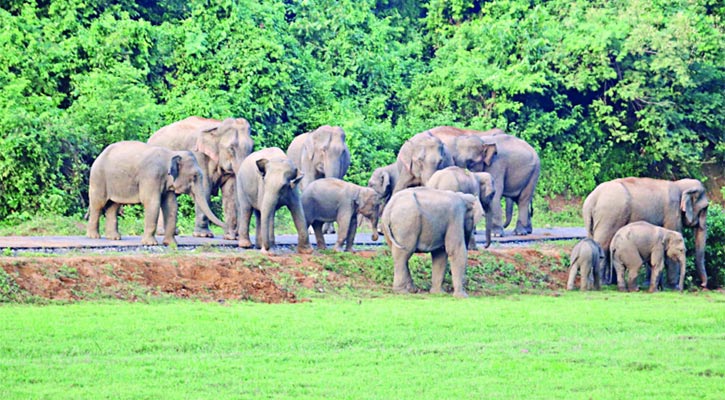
[{"x": 209, "y": 277}]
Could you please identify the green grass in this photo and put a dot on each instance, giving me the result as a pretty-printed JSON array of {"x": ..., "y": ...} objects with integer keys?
[{"x": 604, "y": 345}]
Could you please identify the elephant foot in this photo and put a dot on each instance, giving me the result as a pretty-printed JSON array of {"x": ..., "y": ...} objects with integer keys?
[
  {"x": 149, "y": 241},
  {"x": 521, "y": 231},
  {"x": 93, "y": 235},
  {"x": 245, "y": 243},
  {"x": 497, "y": 231},
  {"x": 406, "y": 289},
  {"x": 114, "y": 236},
  {"x": 437, "y": 290},
  {"x": 169, "y": 242},
  {"x": 230, "y": 236},
  {"x": 304, "y": 249},
  {"x": 203, "y": 233},
  {"x": 460, "y": 295}
]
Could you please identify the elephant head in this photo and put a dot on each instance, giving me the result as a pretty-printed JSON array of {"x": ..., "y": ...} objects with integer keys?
[
  {"x": 428, "y": 156},
  {"x": 370, "y": 205},
  {"x": 185, "y": 177},
  {"x": 693, "y": 205},
  {"x": 326, "y": 153},
  {"x": 675, "y": 251},
  {"x": 473, "y": 153},
  {"x": 227, "y": 144},
  {"x": 474, "y": 213}
]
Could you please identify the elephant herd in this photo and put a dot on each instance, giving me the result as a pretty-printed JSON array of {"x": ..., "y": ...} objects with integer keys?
[{"x": 443, "y": 182}]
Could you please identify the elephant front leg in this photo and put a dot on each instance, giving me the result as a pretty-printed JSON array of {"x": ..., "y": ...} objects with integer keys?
[
  {"x": 497, "y": 215},
  {"x": 151, "y": 216},
  {"x": 347, "y": 226},
  {"x": 170, "y": 211},
  {"x": 245, "y": 218},
  {"x": 112, "y": 221},
  {"x": 298, "y": 217},
  {"x": 438, "y": 270}
]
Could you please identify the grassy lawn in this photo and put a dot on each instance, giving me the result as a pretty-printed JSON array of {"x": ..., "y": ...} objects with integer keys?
[{"x": 603, "y": 345}]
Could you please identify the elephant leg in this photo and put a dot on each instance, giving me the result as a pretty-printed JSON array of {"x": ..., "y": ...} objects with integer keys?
[
  {"x": 351, "y": 231},
  {"x": 657, "y": 262},
  {"x": 632, "y": 273},
  {"x": 229, "y": 205},
  {"x": 245, "y": 218},
  {"x": 573, "y": 268},
  {"x": 619, "y": 267},
  {"x": 319, "y": 236},
  {"x": 169, "y": 209},
  {"x": 152, "y": 207},
  {"x": 497, "y": 213},
  {"x": 458, "y": 256},
  {"x": 94, "y": 215},
  {"x": 523, "y": 224},
  {"x": 112, "y": 221},
  {"x": 298, "y": 217},
  {"x": 257, "y": 227},
  {"x": 438, "y": 272},
  {"x": 402, "y": 281}
]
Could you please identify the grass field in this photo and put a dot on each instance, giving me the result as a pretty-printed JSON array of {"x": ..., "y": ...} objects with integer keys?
[{"x": 603, "y": 345}]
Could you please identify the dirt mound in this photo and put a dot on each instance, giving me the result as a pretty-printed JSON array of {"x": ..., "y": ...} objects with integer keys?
[{"x": 133, "y": 277}]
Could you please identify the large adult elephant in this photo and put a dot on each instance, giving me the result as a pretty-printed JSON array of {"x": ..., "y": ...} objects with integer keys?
[
  {"x": 219, "y": 147},
  {"x": 419, "y": 158},
  {"x": 132, "y": 172},
  {"x": 321, "y": 153},
  {"x": 514, "y": 166},
  {"x": 669, "y": 204}
]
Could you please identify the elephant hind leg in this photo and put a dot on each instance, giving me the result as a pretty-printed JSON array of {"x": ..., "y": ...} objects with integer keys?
[
  {"x": 440, "y": 259},
  {"x": 402, "y": 281},
  {"x": 94, "y": 215},
  {"x": 112, "y": 221},
  {"x": 317, "y": 227}
]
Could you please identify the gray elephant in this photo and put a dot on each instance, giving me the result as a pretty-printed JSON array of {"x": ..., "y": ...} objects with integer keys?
[
  {"x": 587, "y": 257},
  {"x": 643, "y": 243},
  {"x": 434, "y": 221},
  {"x": 515, "y": 167},
  {"x": 133, "y": 172},
  {"x": 419, "y": 157},
  {"x": 332, "y": 199},
  {"x": 479, "y": 184},
  {"x": 383, "y": 181},
  {"x": 219, "y": 147},
  {"x": 669, "y": 204},
  {"x": 321, "y": 153},
  {"x": 268, "y": 180}
]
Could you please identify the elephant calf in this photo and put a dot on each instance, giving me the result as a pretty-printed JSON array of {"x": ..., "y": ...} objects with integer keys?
[
  {"x": 641, "y": 242},
  {"x": 332, "y": 199},
  {"x": 133, "y": 172},
  {"x": 433, "y": 221},
  {"x": 586, "y": 257}
]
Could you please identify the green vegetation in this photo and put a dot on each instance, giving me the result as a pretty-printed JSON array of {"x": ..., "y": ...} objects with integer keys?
[
  {"x": 600, "y": 89},
  {"x": 580, "y": 345}
]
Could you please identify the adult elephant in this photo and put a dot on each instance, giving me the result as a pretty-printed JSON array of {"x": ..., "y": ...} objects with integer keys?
[
  {"x": 418, "y": 159},
  {"x": 132, "y": 172},
  {"x": 219, "y": 147},
  {"x": 321, "y": 153},
  {"x": 669, "y": 204},
  {"x": 514, "y": 166},
  {"x": 268, "y": 180}
]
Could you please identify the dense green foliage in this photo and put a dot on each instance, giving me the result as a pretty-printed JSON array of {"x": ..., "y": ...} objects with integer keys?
[
  {"x": 580, "y": 345},
  {"x": 601, "y": 89}
]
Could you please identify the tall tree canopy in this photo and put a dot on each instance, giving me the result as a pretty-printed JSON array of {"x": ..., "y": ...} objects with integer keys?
[{"x": 602, "y": 89}]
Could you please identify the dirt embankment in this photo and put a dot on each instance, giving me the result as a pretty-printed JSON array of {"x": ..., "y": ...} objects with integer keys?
[{"x": 220, "y": 277}]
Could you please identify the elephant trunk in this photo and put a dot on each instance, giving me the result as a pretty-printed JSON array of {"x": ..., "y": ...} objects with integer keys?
[
  {"x": 700, "y": 238},
  {"x": 374, "y": 223},
  {"x": 489, "y": 223},
  {"x": 266, "y": 220},
  {"x": 683, "y": 264},
  {"x": 202, "y": 200},
  {"x": 333, "y": 165}
]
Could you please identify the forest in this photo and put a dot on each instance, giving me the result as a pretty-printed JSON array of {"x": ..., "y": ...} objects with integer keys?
[{"x": 601, "y": 89}]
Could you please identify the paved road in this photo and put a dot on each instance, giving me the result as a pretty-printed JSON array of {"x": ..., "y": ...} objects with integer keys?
[{"x": 50, "y": 243}]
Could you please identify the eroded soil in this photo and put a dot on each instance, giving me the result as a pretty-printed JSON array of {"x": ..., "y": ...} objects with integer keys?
[{"x": 231, "y": 276}]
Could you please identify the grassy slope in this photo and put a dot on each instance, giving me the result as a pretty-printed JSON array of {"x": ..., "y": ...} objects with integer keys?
[{"x": 579, "y": 345}]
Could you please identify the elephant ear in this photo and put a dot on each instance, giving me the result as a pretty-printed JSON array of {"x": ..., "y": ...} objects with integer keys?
[
  {"x": 262, "y": 166},
  {"x": 207, "y": 143},
  {"x": 687, "y": 199},
  {"x": 296, "y": 180},
  {"x": 386, "y": 183},
  {"x": 489, "y": 150},
  {"x": 174, "y": 166},
  {"x": 472, "y": 204}
]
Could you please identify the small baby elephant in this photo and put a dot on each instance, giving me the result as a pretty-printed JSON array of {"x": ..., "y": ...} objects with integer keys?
[
  {"x": 332, "y": 199},
  {"x": 641, "y": 242},
  {"x": 586, "y": 257}
]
